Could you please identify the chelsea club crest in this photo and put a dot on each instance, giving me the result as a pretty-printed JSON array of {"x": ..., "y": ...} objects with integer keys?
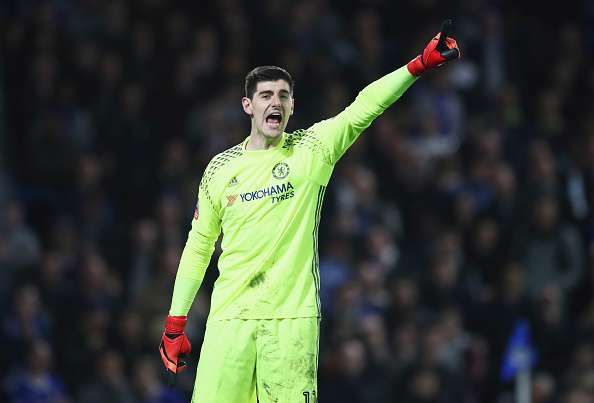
[{"x": 280, "y": 170}]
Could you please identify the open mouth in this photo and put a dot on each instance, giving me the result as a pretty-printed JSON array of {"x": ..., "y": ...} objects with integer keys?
[{"x": 274, "y": 120}]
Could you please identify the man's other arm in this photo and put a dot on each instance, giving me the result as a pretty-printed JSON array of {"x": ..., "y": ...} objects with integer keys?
[{"x": 206, "y": 227}]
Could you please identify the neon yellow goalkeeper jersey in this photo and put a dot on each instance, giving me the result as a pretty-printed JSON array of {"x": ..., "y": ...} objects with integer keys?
[{"x": 267, "y": 204}]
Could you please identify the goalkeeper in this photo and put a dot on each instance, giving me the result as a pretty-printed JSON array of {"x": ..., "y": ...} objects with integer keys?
[{"x": 265, "y": 195}]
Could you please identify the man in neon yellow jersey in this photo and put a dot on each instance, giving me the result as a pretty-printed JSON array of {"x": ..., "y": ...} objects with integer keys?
[{"x": 265, "y": 194}]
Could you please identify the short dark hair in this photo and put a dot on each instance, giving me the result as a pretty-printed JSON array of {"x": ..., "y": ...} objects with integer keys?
[{"x": 266, "y": 73}]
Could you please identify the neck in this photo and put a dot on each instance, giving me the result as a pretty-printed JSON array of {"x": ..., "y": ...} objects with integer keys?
[{"x": 258, "y": 141}]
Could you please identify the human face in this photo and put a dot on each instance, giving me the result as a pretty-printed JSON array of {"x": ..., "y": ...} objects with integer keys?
[{"x": 270, "y": 108}]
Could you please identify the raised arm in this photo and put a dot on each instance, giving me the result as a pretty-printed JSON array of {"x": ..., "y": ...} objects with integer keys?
[{"x": 338, "y": 133}]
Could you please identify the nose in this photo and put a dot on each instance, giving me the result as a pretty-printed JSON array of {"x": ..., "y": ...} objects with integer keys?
[{"x": 275, "y": 99}]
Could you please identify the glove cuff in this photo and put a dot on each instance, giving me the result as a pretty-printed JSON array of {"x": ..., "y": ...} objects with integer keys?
[
  {"x": 175, "y": 324},
  {"x": 416, "y": 66}
]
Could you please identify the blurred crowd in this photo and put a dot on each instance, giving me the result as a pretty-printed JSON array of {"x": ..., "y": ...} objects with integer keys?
[{"x": 465, "y": 208}]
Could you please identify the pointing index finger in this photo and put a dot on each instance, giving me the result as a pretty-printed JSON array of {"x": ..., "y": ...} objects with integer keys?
[{"x": 446, "y": 30}]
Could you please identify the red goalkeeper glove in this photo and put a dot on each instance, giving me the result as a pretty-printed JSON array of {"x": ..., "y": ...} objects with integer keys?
[
  {"x": 442, "y": 48},
  {"x": 175, "y": 344}
]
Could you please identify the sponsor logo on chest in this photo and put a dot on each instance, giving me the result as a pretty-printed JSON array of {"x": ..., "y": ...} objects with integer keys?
[{"x": 276, "y": 193}]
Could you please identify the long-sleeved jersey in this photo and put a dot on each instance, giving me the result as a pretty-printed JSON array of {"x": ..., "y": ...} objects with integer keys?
[{"x": 267, "y": 203}]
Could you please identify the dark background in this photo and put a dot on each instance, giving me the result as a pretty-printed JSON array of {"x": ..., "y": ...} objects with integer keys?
[{"x": 464, "y": 208}]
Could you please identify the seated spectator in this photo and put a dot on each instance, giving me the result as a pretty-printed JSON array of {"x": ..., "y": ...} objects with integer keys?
[{"x": 36, "y": 382}]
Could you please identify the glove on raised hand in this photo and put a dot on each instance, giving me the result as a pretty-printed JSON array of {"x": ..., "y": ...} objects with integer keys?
[{"x": 442, "y": 48}]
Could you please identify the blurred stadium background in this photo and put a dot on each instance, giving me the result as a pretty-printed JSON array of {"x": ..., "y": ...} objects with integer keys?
[{"x": 465, "y": 208}]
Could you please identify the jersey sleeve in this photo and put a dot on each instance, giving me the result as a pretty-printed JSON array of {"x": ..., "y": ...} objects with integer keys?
[
  {"x": 337, "y": 134},
  {"x": 205, "y": 230}
]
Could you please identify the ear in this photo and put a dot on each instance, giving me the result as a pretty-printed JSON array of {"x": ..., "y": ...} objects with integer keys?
[
  {"x": 247, "y": 106},
  {"x": 292, "y": 105}
]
